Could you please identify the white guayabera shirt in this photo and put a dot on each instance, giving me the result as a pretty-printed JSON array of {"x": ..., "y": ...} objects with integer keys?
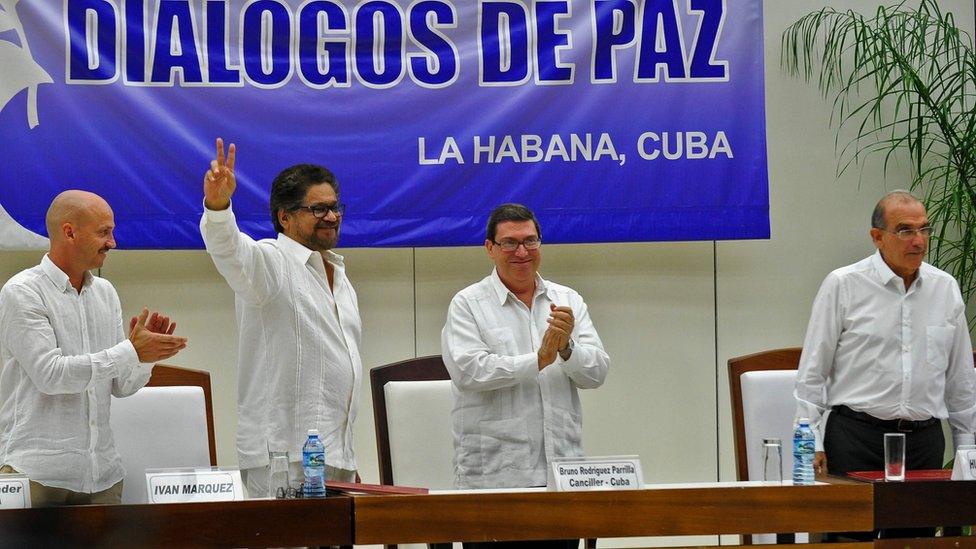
[
  {"x": 510, "y": 418},
  {"x": 64, "y": 354},
  {"x": 895, "y": 354},
  {"x": 298, "y": 361}
]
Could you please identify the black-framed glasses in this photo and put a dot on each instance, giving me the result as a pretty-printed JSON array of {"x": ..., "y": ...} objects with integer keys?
[
  {"x": 322, "y": 210},
  {"x": 510, "y": 244},
  {"x": 908, "y": 234}
]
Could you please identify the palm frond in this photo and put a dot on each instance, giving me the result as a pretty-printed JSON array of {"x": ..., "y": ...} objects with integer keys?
[{"x": 901, "y": 83}]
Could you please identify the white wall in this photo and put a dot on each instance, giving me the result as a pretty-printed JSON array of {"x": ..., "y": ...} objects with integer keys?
[{"x": 656, "y": 305}]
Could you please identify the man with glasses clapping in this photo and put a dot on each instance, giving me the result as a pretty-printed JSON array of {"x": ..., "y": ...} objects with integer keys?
[
  {"x": 518, "y": 347},
  {"x": 299, "y": 365}
]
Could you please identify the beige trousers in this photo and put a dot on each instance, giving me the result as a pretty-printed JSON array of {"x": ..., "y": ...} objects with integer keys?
[{"x": 46, "y": 496}]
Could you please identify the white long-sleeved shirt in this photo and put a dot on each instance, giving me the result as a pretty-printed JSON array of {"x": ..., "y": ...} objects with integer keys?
[
  {"x": 64, "y": 354},
  {"x": 894, "y": 354},
  {"x": 509, "y": 418},
  {"x": 298, "y": 361}
]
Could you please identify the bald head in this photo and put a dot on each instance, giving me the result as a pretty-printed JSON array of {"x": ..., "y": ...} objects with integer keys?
[
  {"x": 79, "y": 225},
  {"x": 76, "y": 208},
  {"x": 878, "y": 220}
]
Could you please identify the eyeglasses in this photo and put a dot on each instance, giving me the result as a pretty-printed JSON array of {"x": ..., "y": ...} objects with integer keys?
[
  {"x": 510, "y": 244},
  {"x": 908, "y": 234},
  {"x": 322, "y": 210}
]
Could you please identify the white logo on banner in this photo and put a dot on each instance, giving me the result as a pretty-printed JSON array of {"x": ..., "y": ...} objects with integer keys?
[
  {"x": 17, "y": 65},
  {"x": 20, "y": 72}
]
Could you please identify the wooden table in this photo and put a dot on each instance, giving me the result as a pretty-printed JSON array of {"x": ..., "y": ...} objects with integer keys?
[
  {"x": 922, "y": 504},
  {"x": 727, "y": 509},
  {"x": 252, "y": 523}
]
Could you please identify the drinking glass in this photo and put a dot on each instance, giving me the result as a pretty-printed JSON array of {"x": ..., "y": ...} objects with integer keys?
[
  {"x": 894, "y": 453},
  {"x": 772, "y": 458},
  {"x": 278, "y": 475}
]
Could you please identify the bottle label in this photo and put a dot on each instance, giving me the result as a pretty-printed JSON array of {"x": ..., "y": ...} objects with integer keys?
[
  {"x": 314, "y": 460},
  {"x": 804, "y": 446}
]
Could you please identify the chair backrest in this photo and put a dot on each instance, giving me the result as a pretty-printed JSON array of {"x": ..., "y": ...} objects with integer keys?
[
  {"x": 168, "y": 423},
  {"x": 762, "y": 407},
  {"x": 412, "y": 405}
]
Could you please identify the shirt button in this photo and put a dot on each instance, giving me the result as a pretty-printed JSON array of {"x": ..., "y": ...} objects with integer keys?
[{"x": 906, "y": 348}]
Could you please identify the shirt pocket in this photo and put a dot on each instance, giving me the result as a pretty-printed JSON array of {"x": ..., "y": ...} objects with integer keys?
[
  {"x": 938, "y": 341},
  {"x": 501, "y": 341},
  {"x": 566, "y": 431},
  {"x": 504, "y": 445}
]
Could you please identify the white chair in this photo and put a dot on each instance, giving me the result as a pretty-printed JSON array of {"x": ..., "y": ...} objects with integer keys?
[
  {"x": 763, "y": 406},
  {"x": 412, "y": 405},
  {"x": 163, "y": 425},
  {"x": 412, "y": 414},
  {"x": 421, "y": 443},
  {"x": 768, "y": 408}
]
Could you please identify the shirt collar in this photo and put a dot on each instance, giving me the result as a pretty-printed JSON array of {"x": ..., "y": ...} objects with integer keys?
[
  {"x": 886, "y": 275},
  {"x": 502, "y": 292},
  {"x": 303, "y": 254},
  {"x": 59, "y": 277}
]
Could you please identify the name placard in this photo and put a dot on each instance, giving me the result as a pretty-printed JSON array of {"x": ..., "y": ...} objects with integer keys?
[
  {"x": 595, "y": 473},
  {"x": 194, "y": 485},
  {"x": 14, "y": 491},
  {"x": 964, "y": 467}
]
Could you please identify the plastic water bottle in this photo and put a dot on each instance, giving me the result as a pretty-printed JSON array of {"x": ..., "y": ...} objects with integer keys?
[
  {"x": 313, "y": 462},
  {"x": 804, "y": 450}
]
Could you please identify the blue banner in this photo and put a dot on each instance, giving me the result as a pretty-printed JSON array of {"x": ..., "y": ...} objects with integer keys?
[{"x": 614, "y": 120}]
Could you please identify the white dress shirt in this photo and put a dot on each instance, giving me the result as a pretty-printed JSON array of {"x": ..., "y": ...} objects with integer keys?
[
  {"x": 509, "y": 418},
  {"x": 298, "y": 355},
  {"x": 64, "y": 353},
  {"x": 891, "y": 353}
]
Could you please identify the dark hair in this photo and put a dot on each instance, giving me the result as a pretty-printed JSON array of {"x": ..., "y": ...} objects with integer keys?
[
  {"x": 510, "y": 212},
  {"x": 878, "y": 215},
  {"x": 289, "y": 188}
]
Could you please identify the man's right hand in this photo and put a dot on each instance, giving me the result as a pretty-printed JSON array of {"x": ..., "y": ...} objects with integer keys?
[
  {"x": 820, "y": 463},
  {"x": 150, "y": 346},
  {"x": 219, "y": 182}
]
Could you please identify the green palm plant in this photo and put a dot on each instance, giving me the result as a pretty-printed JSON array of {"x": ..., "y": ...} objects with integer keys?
[{"x": 903, "y": 84}]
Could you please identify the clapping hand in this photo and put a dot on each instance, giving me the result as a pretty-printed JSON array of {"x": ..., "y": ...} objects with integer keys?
[
  {"x": 561, "y": 322},
  {"x": 152, "y": 337}
]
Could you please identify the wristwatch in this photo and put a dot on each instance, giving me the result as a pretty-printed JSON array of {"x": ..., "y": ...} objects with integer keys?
[{"x": 567, "y": 351}]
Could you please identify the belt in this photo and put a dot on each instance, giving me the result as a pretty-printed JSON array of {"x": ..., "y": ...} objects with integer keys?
[{"x": 899, "y": 425}]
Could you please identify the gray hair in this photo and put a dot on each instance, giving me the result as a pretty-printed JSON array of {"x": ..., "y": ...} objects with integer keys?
[{"x": 878, "y": 216}]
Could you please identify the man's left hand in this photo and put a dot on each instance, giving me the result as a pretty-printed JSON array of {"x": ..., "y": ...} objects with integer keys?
[
  {"x": 561, "y": 322},
  {"x": 157, "y": 323}
]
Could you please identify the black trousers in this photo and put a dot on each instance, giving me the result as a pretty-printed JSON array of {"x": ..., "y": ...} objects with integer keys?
[{"x": 855, "y": 445}]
